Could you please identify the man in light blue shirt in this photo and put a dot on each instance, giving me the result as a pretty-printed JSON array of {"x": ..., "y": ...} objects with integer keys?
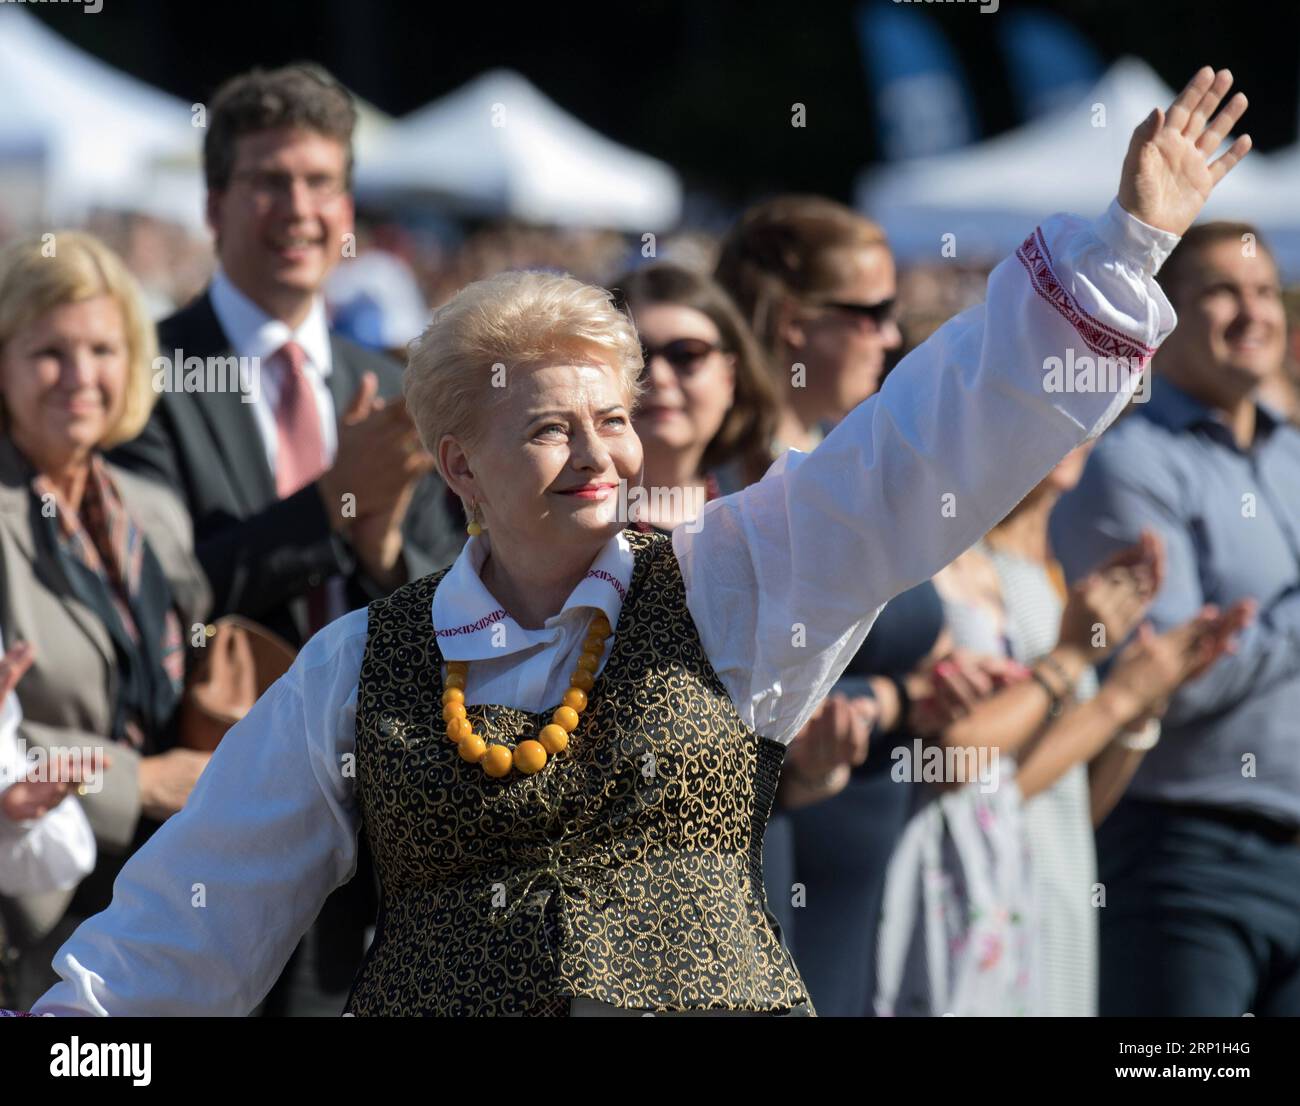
[{"x": 1201, "y": 860}]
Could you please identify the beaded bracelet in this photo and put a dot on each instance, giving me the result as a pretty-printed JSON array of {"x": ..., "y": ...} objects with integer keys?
[
  {"x": 1061, "y": 673},
  {"x": 1054, "y": 708},
  {"x": 904, "y": 703}
]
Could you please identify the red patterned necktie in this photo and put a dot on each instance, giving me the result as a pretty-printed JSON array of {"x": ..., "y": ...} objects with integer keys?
[
  {"x": 299, "y": 449},
  {"x": 299, "y": 442}
]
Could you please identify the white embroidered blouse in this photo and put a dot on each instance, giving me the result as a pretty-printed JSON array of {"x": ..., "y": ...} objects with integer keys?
[{"x": 783, "y": 580}]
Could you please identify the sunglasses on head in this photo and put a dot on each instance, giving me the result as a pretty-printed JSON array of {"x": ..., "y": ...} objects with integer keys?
[
  {"x": 878, "y": 313},
  {"x": 685, "y": 355}
]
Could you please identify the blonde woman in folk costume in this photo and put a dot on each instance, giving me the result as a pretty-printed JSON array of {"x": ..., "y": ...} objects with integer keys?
[{"x": 564, "y": 748}]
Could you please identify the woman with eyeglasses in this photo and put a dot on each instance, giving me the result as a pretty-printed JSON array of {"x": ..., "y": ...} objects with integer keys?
[{"x": 709, "y": 410}]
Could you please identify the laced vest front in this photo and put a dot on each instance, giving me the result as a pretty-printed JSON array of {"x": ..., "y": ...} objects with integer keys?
[{"x": 627, "y": 871}]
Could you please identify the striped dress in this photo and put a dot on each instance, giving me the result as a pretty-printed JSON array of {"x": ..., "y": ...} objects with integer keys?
[{"x": 1058, "y": 821}]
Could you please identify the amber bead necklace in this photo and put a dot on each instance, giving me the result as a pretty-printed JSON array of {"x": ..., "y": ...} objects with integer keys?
[{"x": 530, "y": 756}]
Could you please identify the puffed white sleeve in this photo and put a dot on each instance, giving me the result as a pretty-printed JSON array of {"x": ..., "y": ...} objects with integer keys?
[
  {"x": 50, "y": 853},
  {"x": 785, "y": 578},
  {"x": 207, "y": 913}
]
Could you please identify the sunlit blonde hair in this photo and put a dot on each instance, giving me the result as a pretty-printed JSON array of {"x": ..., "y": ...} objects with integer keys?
[
  {"x": 42, "y": 272},
  {"x": 510, "y": 321}
]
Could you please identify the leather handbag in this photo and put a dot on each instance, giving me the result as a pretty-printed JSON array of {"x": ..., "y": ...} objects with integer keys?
[{"x": 239, "y": 661}]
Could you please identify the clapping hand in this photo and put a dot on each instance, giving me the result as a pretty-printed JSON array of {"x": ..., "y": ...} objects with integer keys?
[
  {"x": 30, "y": 799},
  {"x": 1167, "y": 174},
  {"x": 948, "y": 688},
  {"x": 379, "y": 461},
  {"x": 13, "y": 666},
  {"x": 1153, "y": 666},
  {"x": 1106, "y": 606},
  {"x": 834, "y": 741}
]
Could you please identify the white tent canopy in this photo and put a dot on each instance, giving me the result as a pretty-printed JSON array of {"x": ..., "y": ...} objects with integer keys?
[
  {"x": 90, "y": 133},
  {"x": 991, "y": 194},
  {"x": 1275, "y": 209},
  {"x": 498, "y": 146},
  {"x": 76, "y": 134}
]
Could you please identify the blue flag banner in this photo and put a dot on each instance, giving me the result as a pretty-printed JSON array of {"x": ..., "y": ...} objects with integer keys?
[
  {"x": 1049, "y": 64},
  {"x": 923, "y": 104}
]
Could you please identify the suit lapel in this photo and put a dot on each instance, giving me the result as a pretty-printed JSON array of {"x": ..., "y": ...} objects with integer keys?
[
  {"x": 16, "y": 516},
  {"x": 343, "y": 378},
  {"x": 15, "y": 499},
  {"x": 230, "y": 420}
]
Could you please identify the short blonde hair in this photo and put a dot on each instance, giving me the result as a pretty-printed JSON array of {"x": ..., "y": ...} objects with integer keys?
[
  {"x": 42, "y": 272},
  {"x": 512, "y": 320}
]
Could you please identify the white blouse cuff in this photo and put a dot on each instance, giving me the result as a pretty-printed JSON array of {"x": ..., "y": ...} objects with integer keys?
[{"x": 1144, "y": 246}]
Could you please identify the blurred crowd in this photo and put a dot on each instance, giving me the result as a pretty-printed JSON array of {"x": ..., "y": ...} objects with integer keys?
[
  {"x": 419, "y": 269},
  {"x": 1104, "y": 686}
]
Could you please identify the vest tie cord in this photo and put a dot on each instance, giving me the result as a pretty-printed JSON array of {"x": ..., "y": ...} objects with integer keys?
[{"x": 596, "y": 883}]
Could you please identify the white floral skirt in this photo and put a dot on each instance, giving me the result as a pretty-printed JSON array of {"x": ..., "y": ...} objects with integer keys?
[{"x": 958, "y": 929}]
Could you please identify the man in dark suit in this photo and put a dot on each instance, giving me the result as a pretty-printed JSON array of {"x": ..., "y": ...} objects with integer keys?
[{"x": 303, "y": 473}]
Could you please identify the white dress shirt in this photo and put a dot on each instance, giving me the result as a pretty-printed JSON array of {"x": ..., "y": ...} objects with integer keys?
[
  {"x": 253, "y": 333},
  {"x": 50, "y": 853},
  {"x": 783, "y": 581}
]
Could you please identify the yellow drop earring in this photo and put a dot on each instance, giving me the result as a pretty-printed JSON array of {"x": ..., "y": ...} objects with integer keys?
[{"x": 475, "y": 527}]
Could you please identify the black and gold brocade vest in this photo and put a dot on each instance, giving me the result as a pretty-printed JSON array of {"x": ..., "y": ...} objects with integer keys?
[{"x": 627, "y": 871}]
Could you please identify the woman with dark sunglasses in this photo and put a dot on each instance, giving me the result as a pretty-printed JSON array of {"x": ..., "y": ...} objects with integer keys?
[
  {"x": 707, "y": 415},
  {"x": 816, "y": 282}
]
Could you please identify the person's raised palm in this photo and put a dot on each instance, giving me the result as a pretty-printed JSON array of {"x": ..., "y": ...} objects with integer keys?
[{"x": 1167, "y": 174}]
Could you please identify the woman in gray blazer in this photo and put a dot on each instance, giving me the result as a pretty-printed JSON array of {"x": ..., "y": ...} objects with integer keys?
[{"x": 97, "y": 571}]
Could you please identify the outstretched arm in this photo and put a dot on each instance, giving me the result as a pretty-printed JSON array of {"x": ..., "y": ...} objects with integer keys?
[{"x": 784, "y": 579}]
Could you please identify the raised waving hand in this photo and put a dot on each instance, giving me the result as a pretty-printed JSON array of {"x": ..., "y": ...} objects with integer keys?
[{"x": 1167, "y": 174}]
